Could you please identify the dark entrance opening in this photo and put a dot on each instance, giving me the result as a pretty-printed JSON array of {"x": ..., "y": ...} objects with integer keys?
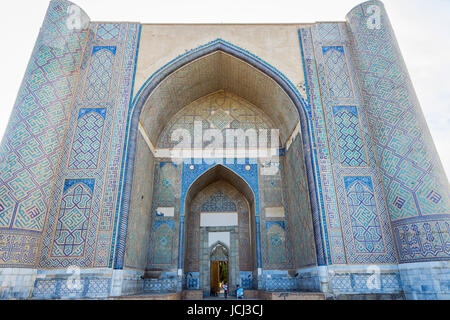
[{"x": 219, "y": 276}]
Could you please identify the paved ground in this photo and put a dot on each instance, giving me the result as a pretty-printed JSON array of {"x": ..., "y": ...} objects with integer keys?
[{"x": 222, "y": 298}]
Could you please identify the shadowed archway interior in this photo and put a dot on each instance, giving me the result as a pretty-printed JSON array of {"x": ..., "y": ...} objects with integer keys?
[
  {"x": 219, "y": 266},
  {"x": 223, "y": 92}
]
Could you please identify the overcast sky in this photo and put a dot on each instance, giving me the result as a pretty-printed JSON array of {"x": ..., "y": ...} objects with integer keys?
[{"x": 422, "y": 28}]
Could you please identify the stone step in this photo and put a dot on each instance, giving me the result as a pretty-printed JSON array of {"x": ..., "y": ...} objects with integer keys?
[
  {"x": 249, "y": 294},
  {"x": 264, "y": 295},
  {"x": 146, "y": 296}
]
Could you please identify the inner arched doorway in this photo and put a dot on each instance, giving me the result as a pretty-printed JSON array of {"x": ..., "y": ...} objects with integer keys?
[
  {"x": 220, "y": 209},
  {"x": 219, "y": 267}
]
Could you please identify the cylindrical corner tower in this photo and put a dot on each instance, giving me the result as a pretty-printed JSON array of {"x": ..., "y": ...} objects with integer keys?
[
  {"x": 32, "y": 145},
  {"x": 417, "y": 189}
]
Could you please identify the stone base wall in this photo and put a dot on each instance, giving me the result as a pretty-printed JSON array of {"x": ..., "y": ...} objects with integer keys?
[
  {"x": 69, "y": 284},
  {"x": 192, "y": 295},
  {"x": 340, "y": 280},
  {"x": 308, "y": 280},
  {"x": 16, "y": 283},
  {"x": 165, "y": 282},
  {"x": 414, "y": 281},
  {"x": 374, "y": 296},
  {"x": 278, "y": 280},
  {"x": 160, "y": 297},
  {"x": 127, "y": 282},
  {"x": 426, "y": 280},
  {"x": 161, "y": 285},
  {"x": 86, "y": 284},
  {"x": 264, "y": 295}
]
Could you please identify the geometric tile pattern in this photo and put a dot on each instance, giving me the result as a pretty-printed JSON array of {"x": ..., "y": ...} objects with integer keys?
[
  {"x": 90, "y": 287},
  {"x": 337, "y": 72},
  {"x": 220, "y": 119},
  {"x": 413, "y": 177},
  {"x": 329, "y": 32},
  {"x": 238, "y": 169},
  {"x": 350, "y": 142},
  {"x": 108, "y": 31},
  {"x": 280, "y": 283},
  {"x": 366, "y": 228},
  {"x": 164, "y": 231},
  {"x": 419, "y": 240},
  {"x": 277, "y": 253},
  {"x": 272, "y": 192},
  {"x": 193, "y": 280},
  {"x": 100, "y": 73},
  {"x": 219, "y": 202},
  {"x": 247, "y": 279},
  {"x": 45, "y": 288},
  {"x": 18, "y": 249},
  {"x": 123, "y": 81},
  {"x": 73, "y": 220},
  {"x": 348, "y": 145},
  {"x": 357, "y": 282},
  {"x": 163, "y": 238},
  {"x": 88, "y": 138},
  {"x": 168, "y": 182},
  {"x": 94, "y": 141},
  {"x": 93, "y": 150},
  {"x": 272, "y": 189},
  {"x": 325, "y": 211},
  {"x": 161, "y": 285},
  {"x": 221, "y": 111},
  {"x": 31, "y": 147}
]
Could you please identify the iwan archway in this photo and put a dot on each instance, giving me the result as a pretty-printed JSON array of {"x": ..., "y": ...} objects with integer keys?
[{"x": 221, "y": 87}]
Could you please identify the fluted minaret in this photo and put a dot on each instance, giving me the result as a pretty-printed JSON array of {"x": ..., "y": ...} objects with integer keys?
[
  {"x": 417, "y": 189},
  {"x": 32, "y": 145}
]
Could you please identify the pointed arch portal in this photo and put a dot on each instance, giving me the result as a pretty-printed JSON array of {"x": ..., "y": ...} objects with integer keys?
[
  {"x": 233, "y": 195},
  {"x": 272, "y": 92}
]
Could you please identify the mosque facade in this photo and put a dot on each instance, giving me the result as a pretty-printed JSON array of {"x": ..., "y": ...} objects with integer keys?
[{"x": 170, "y": 158}]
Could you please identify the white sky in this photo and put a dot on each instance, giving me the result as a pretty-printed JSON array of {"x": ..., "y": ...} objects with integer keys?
[{"x": 422, "y": 28}]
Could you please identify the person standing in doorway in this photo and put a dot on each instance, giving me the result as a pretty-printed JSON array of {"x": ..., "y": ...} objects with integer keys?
[{"x": 225, "y": 290}]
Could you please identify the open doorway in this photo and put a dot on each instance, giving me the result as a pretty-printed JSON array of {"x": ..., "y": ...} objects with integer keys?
[
  {"x": 219, "y": 276},
  {"x": 219, "y": 269}
]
